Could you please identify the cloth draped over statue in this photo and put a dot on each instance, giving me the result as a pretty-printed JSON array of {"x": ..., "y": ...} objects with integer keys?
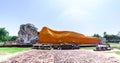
[{"x": 47, "y": 35}]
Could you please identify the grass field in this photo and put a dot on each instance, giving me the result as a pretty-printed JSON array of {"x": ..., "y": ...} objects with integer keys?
[
  {"x": 1, "y": 43},
  {"x": 117, "y": 52},
  {"x": 13, "y": 49},
  {"x": 19, "y": 49},
  {"x": 115, "y": 45}
]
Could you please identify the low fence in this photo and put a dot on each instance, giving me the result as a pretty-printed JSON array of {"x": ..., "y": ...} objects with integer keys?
[{"x": 15, "y": 44}]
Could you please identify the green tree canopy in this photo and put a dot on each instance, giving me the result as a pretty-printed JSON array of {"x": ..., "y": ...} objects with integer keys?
[
  {"x": 97, "y": 35},
  {"x": 13, "y": 38},
  {"x": 111, "y": 38},
  {"x": 3, "y": 34}
]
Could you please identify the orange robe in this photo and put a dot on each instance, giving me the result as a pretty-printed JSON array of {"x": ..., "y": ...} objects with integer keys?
[{"x": 48, "y": 35}]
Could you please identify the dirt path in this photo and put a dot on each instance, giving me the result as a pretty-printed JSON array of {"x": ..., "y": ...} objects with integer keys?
[{"x": 64, "y": 56}]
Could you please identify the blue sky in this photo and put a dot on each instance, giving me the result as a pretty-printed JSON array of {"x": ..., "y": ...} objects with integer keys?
[{"x": 83, "y": 16}]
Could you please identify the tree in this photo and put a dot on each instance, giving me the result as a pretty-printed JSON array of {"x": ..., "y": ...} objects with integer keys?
[
  {"x": 3, "y": 34},
  {"x": 97, "y": 35},
  {"x": 13, "y": 38},
  {"x": 111, "y": 38},
  {"x": 104, "y": 34}
]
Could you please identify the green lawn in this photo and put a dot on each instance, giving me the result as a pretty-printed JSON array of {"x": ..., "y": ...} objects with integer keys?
[
  {"x": 117, "y": 52},
  {"x": 13, "y": 49},
  {"x": 115, "y": 45},
  {"x": 1, "y": 43},
  {"x": 19, "y": 49}
]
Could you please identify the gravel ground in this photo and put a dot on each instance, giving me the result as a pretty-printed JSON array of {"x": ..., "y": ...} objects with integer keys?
[
  {"x": 5, "y": 56},
  {"x": 64, "y": 56}
]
